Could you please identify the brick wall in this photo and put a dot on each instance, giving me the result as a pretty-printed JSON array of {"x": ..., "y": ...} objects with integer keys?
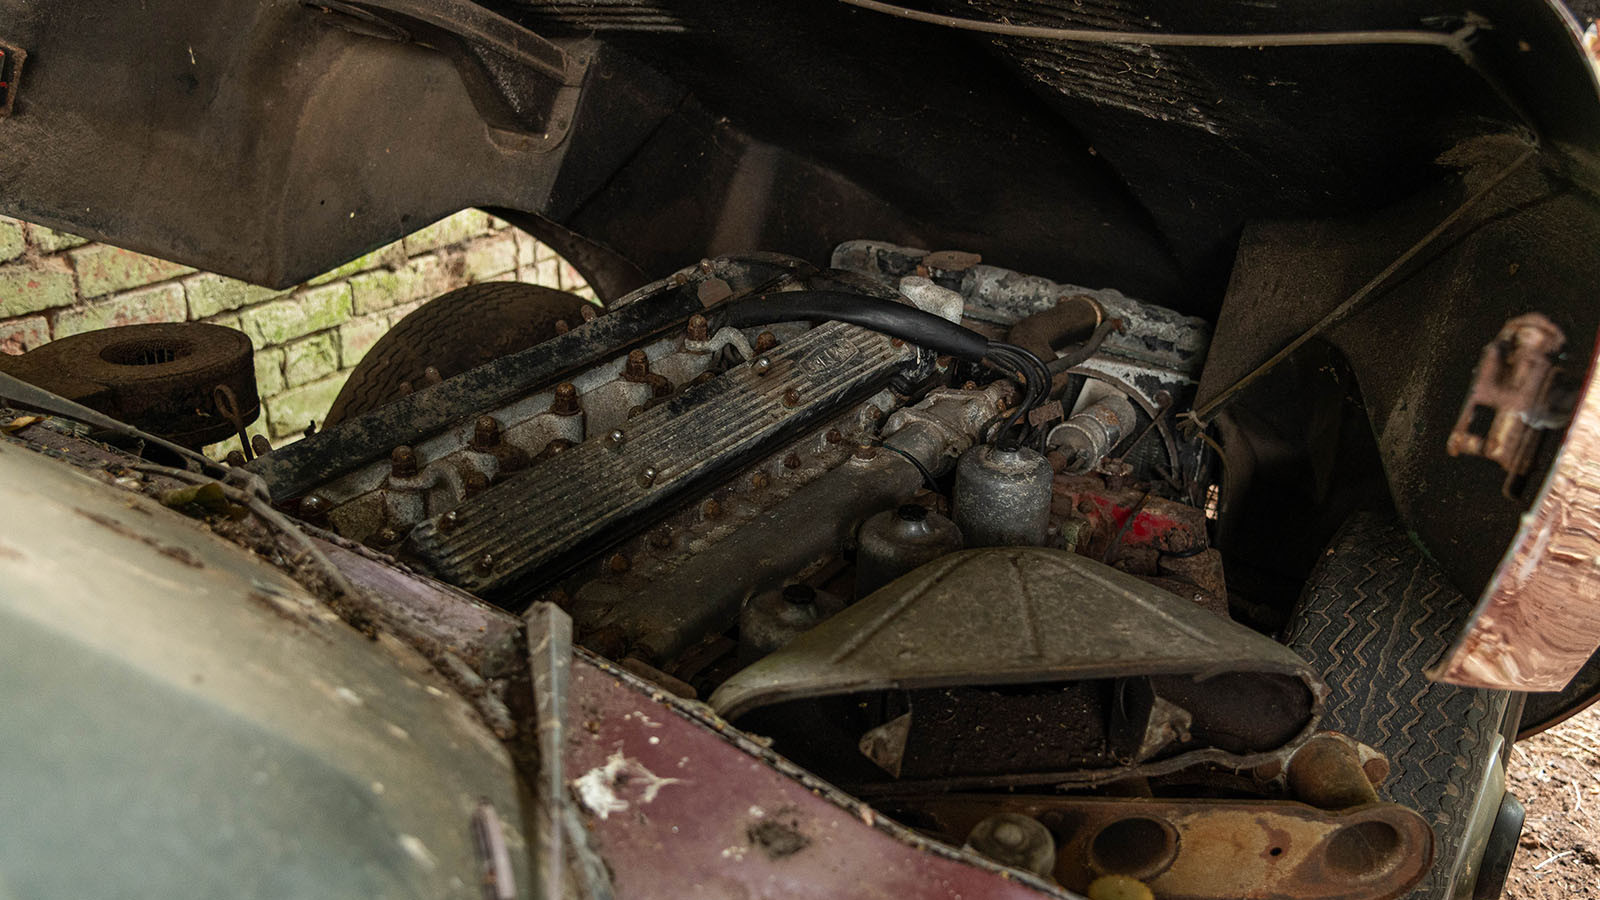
[{"x": 306, "y": 338}]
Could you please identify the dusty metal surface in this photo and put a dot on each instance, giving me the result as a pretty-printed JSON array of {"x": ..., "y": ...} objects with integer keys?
[
  {"x": 159, "y": 378},
  {"x": 1023, "y": 617},
  {"x": 703, "y": 814},
  {"x": 599, "y": 490},
  {"x": 1212, "y": 849},
  {"x": 1539, "y": 619},
  {"x": 240, "y": 739},
  {"x": 1509, "y": 402}
]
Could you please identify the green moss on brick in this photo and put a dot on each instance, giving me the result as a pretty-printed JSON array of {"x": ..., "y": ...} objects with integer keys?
[
  {"x": 12, "y": 241},
  {"x": 469, "y": 223},
  {"x": 48, "y": 240},
  {"x": 307, "y": 360},
  {"x": 26, "y": 289},
  {"x": 103, "y": 269},
  {"x": 357, "y": 337},
  {"x": 303, "y": 313},
  {"x": 269, "y": 372},
  {"x": 163, "y": 303},
  {"x": 211, "y": 294},
  {"x": 291, "y": 411},
  {"x": 391, "y": 254}
]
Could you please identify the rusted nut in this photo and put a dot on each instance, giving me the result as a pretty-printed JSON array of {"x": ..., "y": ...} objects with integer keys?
[
  {"x": 762, "y": 365},
  {"x": 403, "y": 462},
  {"x": 792, "y": 461},
  {"x": 485, "y": 433},
  {"x": 449, "y": 521},
  {"x": 1327, "y": 774},
  {"x": 637, "y": 368},
  {"x": 699, "y": 329},
  {"x": 562, "y": 327},
  {"x": 759, "y": 481},
  {"x": 661, "y": 539},
  {"x": 834, "y": 436},
  {"x": 896, "y": 343},
  {"x": 791, "y": 398},
  {"x": 485, "y": 564},
  {"x": 711, "y": 509},
  {"x": 235, "y": 458},
  {"x": 260, "y": 444},
  {"x": 314, "y": 507},
  {"x": 765, "y": 341},
  {"x": 618, "y": 563},
  {"x": 474, "y": 481},
  {"x": 865, "y": 451},
  {"x": 564, "y": 400},
  {"x": 431, "y": 375},
  {"x": 589, "y": 313},
  {"x": 647, "y": 476}
]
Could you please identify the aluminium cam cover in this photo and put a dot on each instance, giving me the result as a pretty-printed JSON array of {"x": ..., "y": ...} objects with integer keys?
[{"x": 1030, "y": 615}]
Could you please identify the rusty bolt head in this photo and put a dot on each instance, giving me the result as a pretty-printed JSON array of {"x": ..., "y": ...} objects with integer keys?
[
  {"x": 647, "y": 476},
  {"x": 235, "y": 458},
  {"x": 485, "y": 433},
  {"x": 896, "y": 343},
  {"x": 865, "y": 451},
  {"x": 431, "y": 375},
  {"x": 637, "y": 367},
  {"x": 589, "y": 313},
  {"x": 834, "y": 436},
  {"x": 762, "y": 365},
  {"x": 562, "y": 327},
  {"x": 485, "y": 564},
  {"x": 403, "y": 462},
  {"x": 791, "y": 398},
  {"x": 314, "y": 507},
  {"x": 618, "y": 563},
  {"x": 1376, "y": 770},
  {"x": 699, "y": 328},
  {"x": 564, "y": 400},
  {"x": 475, "y": 481},
  {"x": 557, "y": 445},
  {"x": 661, "y": 538},
  {"x": 635, "y": 411},
  {"x": 765, "y": 341},
  {"x": 711, "y": 509},
  {"x": 792, "y": 461},
  {"x": 449, "y": 521},
  {"x": 759, "y": 481}
]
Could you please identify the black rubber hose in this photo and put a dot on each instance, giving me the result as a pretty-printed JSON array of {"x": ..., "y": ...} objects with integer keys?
[{"x": 885, "y": 316}]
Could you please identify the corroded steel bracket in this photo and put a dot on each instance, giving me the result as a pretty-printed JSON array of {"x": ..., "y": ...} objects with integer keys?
[
  {"x": 1509, "y": 402},
  {"x": 1539, "y": 619}
]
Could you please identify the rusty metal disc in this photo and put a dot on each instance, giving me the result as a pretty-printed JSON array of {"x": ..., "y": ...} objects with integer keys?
[{"x": 160, "y": 378}]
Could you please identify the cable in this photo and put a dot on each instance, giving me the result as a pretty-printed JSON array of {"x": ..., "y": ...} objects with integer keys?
[
  {"x": 1454, "y": 41},
  {"x": 909, "y": 324}
]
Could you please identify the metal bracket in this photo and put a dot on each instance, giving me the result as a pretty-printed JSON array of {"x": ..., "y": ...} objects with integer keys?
[{"x": 1509, "y": 403}]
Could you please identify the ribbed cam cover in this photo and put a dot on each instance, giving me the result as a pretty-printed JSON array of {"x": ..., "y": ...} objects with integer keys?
[{"x": 533, "y": 526}]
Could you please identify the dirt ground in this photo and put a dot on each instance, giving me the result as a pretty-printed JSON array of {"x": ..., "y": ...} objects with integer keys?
[{"x": 1557, "y": 775}]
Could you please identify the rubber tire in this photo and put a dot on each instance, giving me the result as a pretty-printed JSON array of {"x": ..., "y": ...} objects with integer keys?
[
  {"x": 1376, "y": 613},
  {"x": 452, "y": 333}
]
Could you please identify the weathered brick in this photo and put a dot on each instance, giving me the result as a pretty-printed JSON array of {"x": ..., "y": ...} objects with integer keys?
[
  {"x": 163, "y": 303},
  {"x": 12, "y": 242},
  {"x": 291, "y": 411},
  {"x": 269, "y": 372},
  {"x": 418, "y": 279},
  {"x": 358, "y": 336},
  {"x": 571, "y": 278},
  {"x": 469, "y": 223},
  {"x": 489, "y": 258},
  {"x": 530, "y": 252},
  {"x": 48, "y": 240},
  {"x": 309, "y": 359},
  {"x": 302, "y": 313},
  {"x": 548, "y": 273},
  {"x": 210, "y": 294},
  {"x": 226, "y": 321},
  {"x": 103, "y": 269},
  {"x": 388, "y": 255},
  {"x": 22, "y": 335},
  {"x": 26, "y": 289}
]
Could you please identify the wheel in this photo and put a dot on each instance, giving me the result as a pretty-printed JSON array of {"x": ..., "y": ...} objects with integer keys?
[
  {"x": 453, "y": 333},
  {"x": 1375, "y": 613}
]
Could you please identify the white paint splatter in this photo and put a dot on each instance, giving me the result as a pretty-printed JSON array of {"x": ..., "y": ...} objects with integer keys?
[
  {"x": 418, "y": 851},
  {"x": 598, "y": 788},
  {"x": 348, "y": 696}
]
